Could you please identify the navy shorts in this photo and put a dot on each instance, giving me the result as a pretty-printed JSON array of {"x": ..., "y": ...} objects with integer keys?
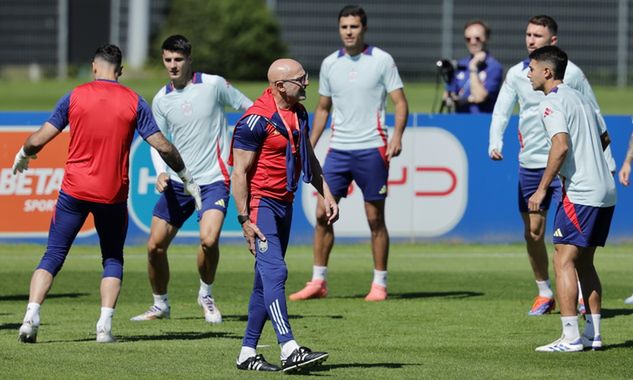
[
  {"x": 175, "y": 206},
  {"x": 367, "y": 167},
  {"x": 582, "y": 226},
  {"x": 70, "y": 214},
  {"x": 529, "y": 179}
]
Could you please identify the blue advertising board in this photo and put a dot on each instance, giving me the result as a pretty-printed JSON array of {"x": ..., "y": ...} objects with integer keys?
[{"x": 443, "y": 187}]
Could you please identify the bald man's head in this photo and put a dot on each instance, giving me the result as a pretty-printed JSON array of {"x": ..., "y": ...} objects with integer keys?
[
  {"x": 288, "y": 80},
  {"x": 284, "y": 69}
]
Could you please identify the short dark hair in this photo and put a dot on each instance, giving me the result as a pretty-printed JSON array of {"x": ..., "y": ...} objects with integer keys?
[
  {"x": 479, "y": 22},
  {"x": 546, "y": 21},
  {"x": 353, "y": 10},
  {"x": 109, "y": 53},
  {"x": 179, "y": 43},
  {"x": 553, "y": 55}
]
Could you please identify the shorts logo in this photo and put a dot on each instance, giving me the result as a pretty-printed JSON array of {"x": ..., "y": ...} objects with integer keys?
[
  {"x": 262, "y": 245},
  {"x": 383, "y": 190},
  {"x": 220, "y": 203},
  {"x": 557, "y": 233}
]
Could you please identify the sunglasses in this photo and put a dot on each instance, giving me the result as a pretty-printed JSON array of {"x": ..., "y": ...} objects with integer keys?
[
  {"x": 300, "y": 81},
  {"x": 476, "y": 39}
]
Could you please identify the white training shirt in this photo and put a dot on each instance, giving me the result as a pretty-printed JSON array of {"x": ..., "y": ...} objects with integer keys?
[
  {"x": 585, "y": 173},
  {"x": 358, "y": 87},
  {"x": 532, "y": 137},
  {"x": 193, "y": 120}
]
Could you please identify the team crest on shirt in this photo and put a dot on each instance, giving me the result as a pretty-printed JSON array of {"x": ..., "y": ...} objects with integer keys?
[
  {"x": 262, "y": 245},
  {"x": 548, "y": 111},
  {"x": 187, "y": 108},
  {"x": 352, "y": 76}
]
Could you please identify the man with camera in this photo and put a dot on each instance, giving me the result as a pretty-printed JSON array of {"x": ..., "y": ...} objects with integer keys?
[{"x": 477, "y": 78}]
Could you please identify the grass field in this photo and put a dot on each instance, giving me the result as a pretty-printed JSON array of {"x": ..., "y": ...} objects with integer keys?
[
  {"x": 455, "y": 311},
  {"x": 20, "y": 95}
]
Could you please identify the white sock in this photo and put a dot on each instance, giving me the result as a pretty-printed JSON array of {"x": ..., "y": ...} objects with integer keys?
[
  {"x": 245, "y": 353},
  {"x": 287, "y": 348},
  {"x": 161, "y": 300},
  {"x": 380, "y": 277},
  {"x": 205, "y": 289},
  {"x": 32, "y": 313},
  {"x": 592, "y": 326},
  {"x": 105, "y": 320},
  {"x": 544, "y": 289},
  {"x": 319, "y": 273},
  {"x": 570, "y": 328}
]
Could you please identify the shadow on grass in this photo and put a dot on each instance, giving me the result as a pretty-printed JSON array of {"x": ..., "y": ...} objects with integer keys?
[
  {"x": 10, "y": 326},
  {"x": 25, "y": 297},
  {"x": 413, "y": 295},
  {"x": 177, "y": 335},
  {"x": 627, "y": 344},
  {"x": 611, "y": 313},
  {"x": 329, "y": 367},
  {"x": 244, "y": 318}
]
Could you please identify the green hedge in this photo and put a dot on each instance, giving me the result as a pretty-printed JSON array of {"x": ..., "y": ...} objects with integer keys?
[{"x": 237, "y": 39}]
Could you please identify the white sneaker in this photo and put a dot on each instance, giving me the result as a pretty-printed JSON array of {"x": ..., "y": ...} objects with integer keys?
[
  {"x": 560, "y": 345},
  {"x": 105, "y": 336},
  {"x": 629, "y": 300},
  {"x": 211, "y": 312},
  {"x": 594, "y": 343},
  {"x": 28, "y": 332},
  {"x": 154, "y": 312}
]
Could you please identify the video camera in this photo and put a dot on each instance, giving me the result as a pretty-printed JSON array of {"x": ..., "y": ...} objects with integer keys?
[{"x": 446, "y": 69}]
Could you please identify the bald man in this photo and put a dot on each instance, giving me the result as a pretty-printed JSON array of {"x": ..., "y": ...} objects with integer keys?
[{"x": 271, "y": 148}]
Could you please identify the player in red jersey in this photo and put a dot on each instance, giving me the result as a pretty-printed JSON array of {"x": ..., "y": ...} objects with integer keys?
[{"x": 102, "y": 116}]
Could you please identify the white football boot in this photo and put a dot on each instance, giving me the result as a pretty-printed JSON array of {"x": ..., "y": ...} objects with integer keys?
[
  {"x": 154, "y": 312},
  {"x": 211, "y": 312},
  {"x": 28, "y": 332}
]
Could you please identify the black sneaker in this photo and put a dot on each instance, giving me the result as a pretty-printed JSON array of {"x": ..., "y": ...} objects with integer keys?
[
  {"x": 303, "y": 357},
  {"x": 257, "y": 363}
]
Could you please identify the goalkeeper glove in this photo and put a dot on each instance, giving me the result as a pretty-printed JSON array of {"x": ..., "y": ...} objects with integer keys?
[
  {"x": 191, "y": 187},
  {"x": 21, "y": 162}
]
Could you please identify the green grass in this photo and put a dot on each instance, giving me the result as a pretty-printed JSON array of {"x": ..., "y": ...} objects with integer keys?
[
  {"x": 21, "y": 95},
  {"x": 455, "y": 311}
]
